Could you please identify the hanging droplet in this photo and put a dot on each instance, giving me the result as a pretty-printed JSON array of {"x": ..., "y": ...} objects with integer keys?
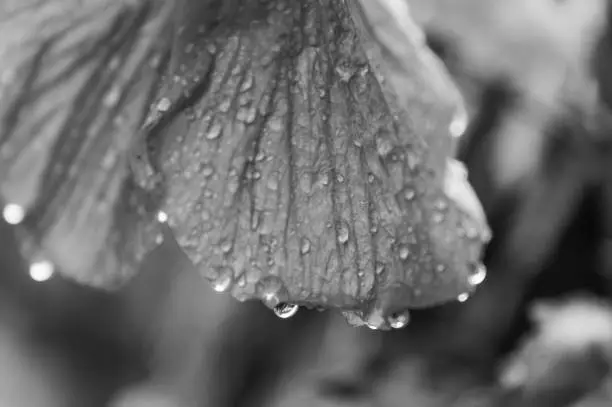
[
  {"x": 286, "y": 311},
  {"x": 459, "y": 123},
  {"x": 477, "y": 274},
  {"x": 463, "y": 297},
  {"x": 41, "y": 271},
  {"x": 399, "y": 320},
  {"x": 162, "y": 217},
  {"x": 13, "y": 214},
  {"x": 224, "y": 280}
]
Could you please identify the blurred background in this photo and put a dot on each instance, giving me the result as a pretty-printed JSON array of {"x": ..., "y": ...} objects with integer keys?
[{"x": 537, "y": 79}]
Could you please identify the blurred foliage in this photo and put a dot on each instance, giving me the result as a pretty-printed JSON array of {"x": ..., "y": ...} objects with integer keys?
[{"x": 536, "y": 77}]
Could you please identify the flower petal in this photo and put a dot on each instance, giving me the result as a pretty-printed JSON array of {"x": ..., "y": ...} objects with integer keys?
[{"x": 76, "y": 78}]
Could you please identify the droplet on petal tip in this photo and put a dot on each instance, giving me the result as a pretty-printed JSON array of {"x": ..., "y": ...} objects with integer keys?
[
  {"x": 285, "y": 311},
  {"x": 463, "y": 297},
  {"x": 478, "y": 274},
  {"x": 41, "y": 271},
  {"x": 459, "y": 123},
  {"x": 13, "y": 214},
  {"x": 223, "y": 281},
  {"x": 399, "y": 320}
]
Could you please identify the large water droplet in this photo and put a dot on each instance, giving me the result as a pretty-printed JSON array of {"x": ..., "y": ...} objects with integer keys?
[
  {"x": 399, "y": 320},
  {"x": 13, "y": 214},
  {"x": 223, "y": 280},
  {"x": 41, "y": 270},
  {"x": 477, "y": 274},
  {"x": 285, "y": 311}
]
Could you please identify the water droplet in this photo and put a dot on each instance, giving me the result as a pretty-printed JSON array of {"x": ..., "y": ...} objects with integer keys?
[
  {"x": 459, "y": 123},
  {"x": 159, "y": 239},
  {"x": 399, "y": 320},
  {"x": 477, "y": 274},
  {"x": 41, "y": 270},
  {"x": 224, "y": 279},
  {"x": 305, "y": 246},
  {"x": 226, "y": 246},
  {"x": 340, "y": 178},
  {"x": 271, "y": 291},
  {"x": 162, "y": 217},
  {"x": 247, "y": 83},
  {"x": 164, "y": 104},
  {"x": 404, "y": 252},
  {"x": 285, "y": 311},
  {"x": 343, "y": 233},
  {"x": 207, "y": 170},
  {"x": 463, "y": 297},
  {"x": 112, "y": 97},
  {"x": 409, "y": 194},
  {"x": 214, "y": 132},
  {"x": 438, "y": 217},
  {"x": 441, "y": 204},
  {"x": 13, "y": 214}
]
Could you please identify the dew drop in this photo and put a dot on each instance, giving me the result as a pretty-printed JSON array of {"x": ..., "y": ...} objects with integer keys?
[
  {"x": 409, "y": 194},
  {"x": 112, "y": 97},
  {"x": 214, "y": 132},
  {"x": 224, "y": 280},
  {"x": 13, "y": 214},
  {"x": 41, "y": 271},
  {"x": 159, "y": 239},
  {"x": 226, "y": 246},
  {"x": 286, "y": 311},
  {"x": 478, "y": 274},
  {"x": 463, "y": 297},
  {"x": 163, "y": 105},
  {"x": 438, "y": 217},
  {"x": 247, "y": 83},
  {"x": 441, "y": 204},
  {"x": 162, "y": 217},
  {"x": 399, "y": 320},
  {"x": 343, "y": 233},
  {"x": 207, "y": 170},
  {"x": 404, "y": 252},
  {"x": 305, "y": 246}
]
